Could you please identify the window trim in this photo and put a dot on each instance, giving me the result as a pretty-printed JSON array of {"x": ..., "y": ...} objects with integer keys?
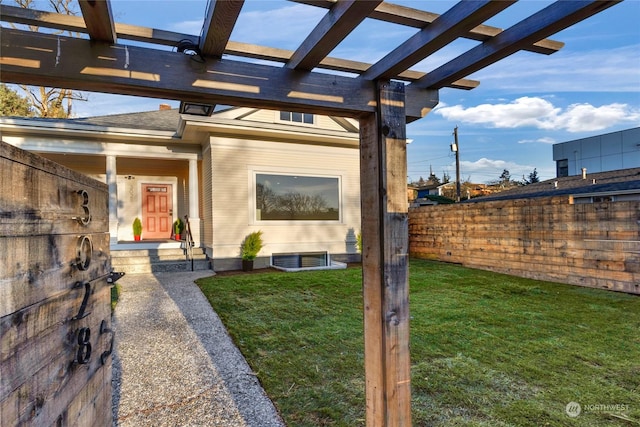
[{"x": 254, "y": 171}]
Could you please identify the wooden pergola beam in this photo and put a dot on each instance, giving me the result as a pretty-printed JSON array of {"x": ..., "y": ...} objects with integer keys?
[
  {"x": 219, "y": 21},
  {"x": 35, "y": 59},
  {"x": 445, "y": 29},
  {"x": 343, "y": 17},
  {"x": 170, "y": 38},
  {"x": 98, "y": 20},
  {"x": 549, "y": 20},
  {"x": 410, "y": 17}
]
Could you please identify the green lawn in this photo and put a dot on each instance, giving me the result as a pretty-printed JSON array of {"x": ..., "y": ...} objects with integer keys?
[{"x": 486, "y": 349}]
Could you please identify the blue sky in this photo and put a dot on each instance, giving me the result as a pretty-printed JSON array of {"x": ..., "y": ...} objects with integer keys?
[{"x": 523, "y": 105}]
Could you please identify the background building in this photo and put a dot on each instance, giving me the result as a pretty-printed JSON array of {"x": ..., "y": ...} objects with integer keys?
[{"x": 602, "y": 153}]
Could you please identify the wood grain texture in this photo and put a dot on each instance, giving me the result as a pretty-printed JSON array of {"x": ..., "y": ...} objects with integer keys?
[
  {"x": 445, "y": 29},
  {"x": 412, "y": 17},
  {"x": 385, "y": 261},
  {"x": 98, "y": 20},
  {"x": 595, "y": 245},
  {"x": 550, "y": 20},
  {"x": 171, "y": 38},
  {"x": 54, "y": 295},
  {"x": 219, "y": 21},
  {"x": 343, "y": 17},
  {"x": 84, "y": 65}
]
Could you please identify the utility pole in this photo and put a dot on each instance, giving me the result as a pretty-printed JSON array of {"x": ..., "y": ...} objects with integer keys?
[{"x": 455, "y": 148}]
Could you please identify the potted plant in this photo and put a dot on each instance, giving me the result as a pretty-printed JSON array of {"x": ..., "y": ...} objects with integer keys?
[
  {"x": 137, "y": 229},
  {"x": 251, "y": 245},
  {"x": 178, "y": 228}
]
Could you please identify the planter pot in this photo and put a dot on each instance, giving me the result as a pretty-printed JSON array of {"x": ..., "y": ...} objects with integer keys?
[
  {"x": 247, "y": 265},
  {"x": 136, "y": 238},
  {"x": 177, "y": 236}
]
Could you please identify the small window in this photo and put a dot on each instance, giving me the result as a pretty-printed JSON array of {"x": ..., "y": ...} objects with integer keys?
[
  {"x": 288, "y": 116},
  {"x": 296, "y": 198},
  {"x": 602, "y": 199},
  {"x": 562, "y": 168}
]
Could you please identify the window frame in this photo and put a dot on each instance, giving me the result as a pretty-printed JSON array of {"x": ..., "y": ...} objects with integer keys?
[{"x": 254, "y": 172}]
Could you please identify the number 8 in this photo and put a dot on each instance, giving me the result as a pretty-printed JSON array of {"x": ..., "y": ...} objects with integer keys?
[{"x": 84, "y": 346}]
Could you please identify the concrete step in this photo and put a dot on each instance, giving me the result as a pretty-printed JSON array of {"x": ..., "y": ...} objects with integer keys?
[
  {"x": 178, "y": 252},
  {"x": 158, "y": 260},
  {"x": 134, "y": 259},
  {"x": 164, "y": 267}
]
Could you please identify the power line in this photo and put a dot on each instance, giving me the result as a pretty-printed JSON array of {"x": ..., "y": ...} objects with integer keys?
[{"x": 429, "y": 160}]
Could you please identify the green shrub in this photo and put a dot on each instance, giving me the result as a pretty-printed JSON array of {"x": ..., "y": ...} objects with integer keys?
[
  {"x": 251, "y": 245},
  {"x": 137, "y": 227},
  {"x": 178, "y": 226}
]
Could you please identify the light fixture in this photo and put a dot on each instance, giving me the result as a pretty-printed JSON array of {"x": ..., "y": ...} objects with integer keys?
[{"x": 196, "y": 109}]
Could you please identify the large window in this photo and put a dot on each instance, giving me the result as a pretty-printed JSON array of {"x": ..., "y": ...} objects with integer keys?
[{"x": 297, "y": 198}]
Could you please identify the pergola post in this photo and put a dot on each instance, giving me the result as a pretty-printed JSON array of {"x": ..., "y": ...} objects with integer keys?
[{"x": 383, "y": 183}]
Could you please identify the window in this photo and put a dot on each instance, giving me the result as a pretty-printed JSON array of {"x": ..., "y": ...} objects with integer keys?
[
  {"x": 297, "y": 198},
  {"x": 289, "y": 116},
  {"x": 562, "y": 168}
]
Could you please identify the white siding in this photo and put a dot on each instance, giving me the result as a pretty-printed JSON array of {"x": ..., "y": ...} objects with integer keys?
[
  {"x": 321, "y": 122},
  {"x": 233, "y": 217}
]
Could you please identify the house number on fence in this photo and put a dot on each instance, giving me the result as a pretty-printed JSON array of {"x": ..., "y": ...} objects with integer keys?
[
  {"x": 84, "y": 253},
  {"x": 86, "y": 219},
  {"x": 83, "y": 335}
]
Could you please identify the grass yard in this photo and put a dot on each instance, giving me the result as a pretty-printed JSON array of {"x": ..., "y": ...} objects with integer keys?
[{"x": 486, "y": 349}]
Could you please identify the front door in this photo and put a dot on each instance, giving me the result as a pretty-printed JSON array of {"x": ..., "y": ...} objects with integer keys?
[{"x": 157, "y": 211}]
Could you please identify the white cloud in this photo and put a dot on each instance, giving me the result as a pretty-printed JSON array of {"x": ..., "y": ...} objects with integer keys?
[
  {"x": 542, "y": 114},
  {"x": 604, "y": 70},
  {"x": 543, "y": 140},
  {"x": 485, "y": 170}
]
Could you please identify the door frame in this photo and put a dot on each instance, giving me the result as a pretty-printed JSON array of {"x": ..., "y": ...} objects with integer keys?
[
  {"x": 132, "y": 208},
  {"x": 173, "y": 205},
  {"x": 173, "y": 181}
]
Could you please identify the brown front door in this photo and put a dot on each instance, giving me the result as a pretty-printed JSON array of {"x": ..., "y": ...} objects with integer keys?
[{"x": 157, "y": 211}]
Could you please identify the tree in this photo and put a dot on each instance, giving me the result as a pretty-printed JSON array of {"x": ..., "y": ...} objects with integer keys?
[
  {"x": 12, "y": 104},
  {"x": 505, "y": 177},
  {"x": 533, "y": 177},
  {"x": 51, "y": 102},
  {"x": 433, "y": 180},
  {"x": 446, "y": 178}
]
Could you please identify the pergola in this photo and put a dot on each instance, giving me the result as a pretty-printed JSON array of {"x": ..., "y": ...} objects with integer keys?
[{"x": 384, "y": 96}]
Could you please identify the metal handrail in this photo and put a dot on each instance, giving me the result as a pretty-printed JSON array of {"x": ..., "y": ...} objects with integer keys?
[{"x": 188, "y": 241}]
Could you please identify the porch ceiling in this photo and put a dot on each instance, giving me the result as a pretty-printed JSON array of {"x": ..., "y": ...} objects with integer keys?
[{"x": 105, "y": 64}]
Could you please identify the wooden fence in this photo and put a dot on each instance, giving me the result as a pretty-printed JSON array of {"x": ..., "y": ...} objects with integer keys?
[
  {"x": 55, "y": 313},
  {"x": 595, "y": 245}
]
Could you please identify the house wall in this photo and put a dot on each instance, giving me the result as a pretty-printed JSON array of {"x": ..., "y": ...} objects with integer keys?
[
  {"x": 594, "y": 245},
  {"x": 232, "y": 212},
  {"x": 272, "y": 116}
]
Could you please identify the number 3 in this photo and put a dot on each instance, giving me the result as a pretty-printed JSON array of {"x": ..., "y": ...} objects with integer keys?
[{"x": 86, "y": 219}]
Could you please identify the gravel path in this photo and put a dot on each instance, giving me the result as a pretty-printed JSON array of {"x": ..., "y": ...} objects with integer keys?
[{"x": 175, "y": 364}]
